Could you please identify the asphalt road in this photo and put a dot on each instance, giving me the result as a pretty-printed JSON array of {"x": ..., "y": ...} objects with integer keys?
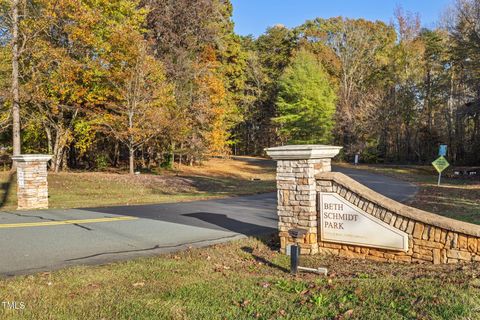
[
  {"x": 32, "y": 241},
  {"x": 393, "y": 188},
  {"x": 390, "y": 187}
]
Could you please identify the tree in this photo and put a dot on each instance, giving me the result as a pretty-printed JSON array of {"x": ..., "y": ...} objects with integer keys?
[
  {"x": 267, "y": 58},
  {"x": 306, "y": 101},
  {"x": 15, "y": 78},
  {"x": 5, "y": 85},
  {"x": 10, "y": 33},
  {"x": 246, "y": 137},
  {"x": 141, "y": 97},
  {"x": 464, "y": 103},
  {"x": 87, "y": 83},
  {"x": 203, "y": 58},
  {"x": 68, "y": 70},
  {"x": 354, "y": 53}
]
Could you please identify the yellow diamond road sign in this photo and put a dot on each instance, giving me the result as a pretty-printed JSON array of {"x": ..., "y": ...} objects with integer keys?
[{"x": 440, "y": 164}]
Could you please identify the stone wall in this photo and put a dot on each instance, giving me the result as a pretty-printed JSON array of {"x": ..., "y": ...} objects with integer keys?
[
  {"x": 304, "y": 173},
  {"x": 432, "y": 238},
  {"x": 32, "y": 183},
  {"x": 297, "y": 192}
]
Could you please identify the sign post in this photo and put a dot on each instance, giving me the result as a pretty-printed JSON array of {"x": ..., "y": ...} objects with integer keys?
[{"x": 440, "y": 164}]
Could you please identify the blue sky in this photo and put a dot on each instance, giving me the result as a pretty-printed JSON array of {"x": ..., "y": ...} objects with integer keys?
[{"x": 254, "y": 16}]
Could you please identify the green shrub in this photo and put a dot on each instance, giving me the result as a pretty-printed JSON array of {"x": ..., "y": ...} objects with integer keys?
[{"x": 101, "y": 162}]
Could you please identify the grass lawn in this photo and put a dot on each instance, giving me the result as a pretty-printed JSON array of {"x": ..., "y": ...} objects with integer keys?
[
  {"x": 216, "y": 178},
  {"x": 246, "y": 280},
  {"x": 455, "y": 198}
]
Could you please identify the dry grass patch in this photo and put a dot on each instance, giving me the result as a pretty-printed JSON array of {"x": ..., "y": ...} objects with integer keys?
[
  {"x": 247, "y": 170},
  {"x": 457, "y": 198},
  {"x": 458, "y": 201},
  {"x": 215, "y": 178}
]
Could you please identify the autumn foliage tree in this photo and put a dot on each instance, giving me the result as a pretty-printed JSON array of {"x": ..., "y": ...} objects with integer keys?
[
  {"x": 138, "y": 109},
  {"x": 145, "y": 82},
  {"x": 210, "y": 105},
  {"x": 65, "y": 73},
  {"x": 205, "y": 61}
]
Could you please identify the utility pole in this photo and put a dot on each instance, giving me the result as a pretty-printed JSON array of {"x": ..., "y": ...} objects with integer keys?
[{"x": 15, "y": 84}]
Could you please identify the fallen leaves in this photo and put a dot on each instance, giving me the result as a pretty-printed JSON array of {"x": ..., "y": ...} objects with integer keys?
[
  {"x": 138, "y": 284},
  {"x": 244, "y": 303},
  {"x": 348, "y": 313},
  {"x": 93, "y": 286},
  {"x": 220, "y": 267},
  {"x": 475, "y": 283}
]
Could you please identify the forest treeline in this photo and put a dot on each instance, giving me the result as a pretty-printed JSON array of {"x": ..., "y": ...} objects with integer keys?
[{"x": 103, "y": 83}]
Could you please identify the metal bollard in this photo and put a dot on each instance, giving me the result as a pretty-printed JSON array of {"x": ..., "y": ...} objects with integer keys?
[
  {"x": 294, "y": 256},
  {"x": 297, "y": 235}
]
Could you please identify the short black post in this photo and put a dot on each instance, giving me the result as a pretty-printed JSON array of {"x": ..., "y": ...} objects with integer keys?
[
  {"x": 294, "y": 257},
  {"x": 297, "y": 235}
]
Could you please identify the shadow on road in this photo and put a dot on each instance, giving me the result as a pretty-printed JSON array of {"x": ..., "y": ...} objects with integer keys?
[
  {"x": 250, "y": 215},
  {"x": 226, "y": 223}
]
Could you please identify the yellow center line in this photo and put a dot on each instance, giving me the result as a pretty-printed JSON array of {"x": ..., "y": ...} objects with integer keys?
[{"x": 63, "y": 222}]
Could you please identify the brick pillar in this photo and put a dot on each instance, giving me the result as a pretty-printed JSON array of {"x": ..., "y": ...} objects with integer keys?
[
  {"x": 296, "y": 190},
  {"x": 32, "y": 184}
]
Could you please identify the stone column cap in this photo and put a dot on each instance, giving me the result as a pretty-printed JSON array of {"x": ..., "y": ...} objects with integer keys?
[
  {"x": 32, "y": 157},
  {"x": 303, "y": 152}
]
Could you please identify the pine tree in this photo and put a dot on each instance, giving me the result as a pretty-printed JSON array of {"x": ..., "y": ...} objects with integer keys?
[{"x": 306, "y": 102}]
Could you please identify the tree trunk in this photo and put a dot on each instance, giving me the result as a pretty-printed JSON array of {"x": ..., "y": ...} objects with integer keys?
[
  {"x": 64, "y": 157},
  {"x": 131, "y": 148},
  {"x": 131, "y": 160},
  {"x": 58, "y": 148},
  {"x": 180, "y": 155},
  {"x": 49, "y": 139},
  {"x": 57, "y": 154},
  {"x": 15, "y": 84},
  {"x": 57, "y": 160},
  {"x": 116, "y": 154}
]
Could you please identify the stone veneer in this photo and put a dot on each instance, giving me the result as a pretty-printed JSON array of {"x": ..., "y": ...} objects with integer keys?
[
  {"x": 297, "y": 189},
  {"x": 32, "y": 184},
  {"x": 303, "y": 172},
  {"x": 296, "y": 192},
  {"x": 432, "y": 238}
]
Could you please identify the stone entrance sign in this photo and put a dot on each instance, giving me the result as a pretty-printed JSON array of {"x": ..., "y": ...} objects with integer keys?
[
  {"x": 341, "y": 222},
  {"x": 32, "y": 184},
  {"x": 344, "y": 218}
]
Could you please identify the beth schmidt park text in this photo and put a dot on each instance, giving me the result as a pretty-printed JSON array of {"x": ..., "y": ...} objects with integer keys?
[{"x": 332, "y": 211}]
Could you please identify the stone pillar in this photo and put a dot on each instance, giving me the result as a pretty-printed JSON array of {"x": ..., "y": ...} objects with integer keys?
[
  {"x": 297, "y": 166},
  {"x": 32, "y": 184}
]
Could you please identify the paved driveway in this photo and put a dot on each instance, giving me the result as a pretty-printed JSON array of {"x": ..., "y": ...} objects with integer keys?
[
  {"x": 390, "y": 187},
  {"x": 50, "y": 239}
]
